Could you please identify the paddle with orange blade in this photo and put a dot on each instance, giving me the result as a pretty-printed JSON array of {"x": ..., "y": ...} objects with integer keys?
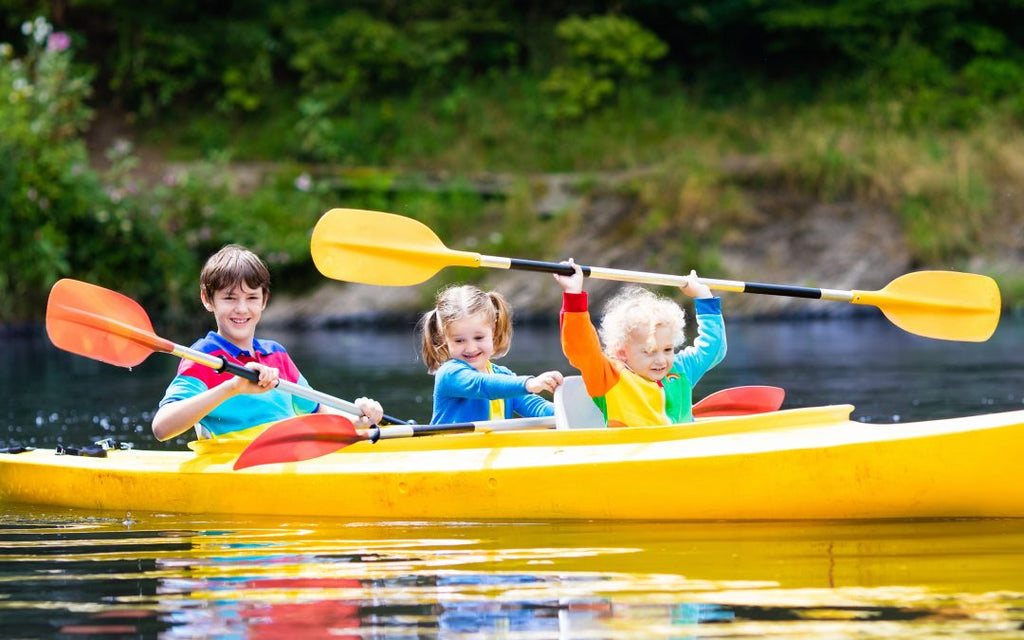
[
  {"x": 740, "y": 401},
  {"x": 104, "y": 325},
  {"x": 372, "y": 247},
  {"x": 313, "y": 436}
]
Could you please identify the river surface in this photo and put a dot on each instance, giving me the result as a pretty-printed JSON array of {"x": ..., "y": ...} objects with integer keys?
[{"x": 69, "y": 573}]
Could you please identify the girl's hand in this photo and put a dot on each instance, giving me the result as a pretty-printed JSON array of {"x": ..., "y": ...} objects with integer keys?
[
  {"x": 372, "y": 412},
  {"x": 547, "y": 381},
  {"x": 573, "y": 283},
  {"x": 267, "y": 381},
  {"x": 694, "y": 288}
]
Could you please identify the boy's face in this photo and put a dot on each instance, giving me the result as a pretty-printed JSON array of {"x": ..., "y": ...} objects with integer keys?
[
  {"x": 471, "y": 339},
  {"x": 649, "y": 354},
  {"x": 237, "y": 312}
]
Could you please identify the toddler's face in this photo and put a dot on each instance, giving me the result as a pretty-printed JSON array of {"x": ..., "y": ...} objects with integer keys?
[
  {"x": 649, "y": 353},
  {"x": 471, "y": 340}
]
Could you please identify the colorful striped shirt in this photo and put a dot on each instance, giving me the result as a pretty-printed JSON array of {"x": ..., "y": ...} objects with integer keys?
[{"x": 246, "y": 410}]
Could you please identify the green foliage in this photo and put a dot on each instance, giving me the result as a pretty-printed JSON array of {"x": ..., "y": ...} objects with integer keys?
[
  {"x": 61, "y": 218},
  {"x": 603, "y": 52},
  {"x": 860, "y": 94},
  {"x": 350, "y": 55},
  {"x": 45, "y": 183}
]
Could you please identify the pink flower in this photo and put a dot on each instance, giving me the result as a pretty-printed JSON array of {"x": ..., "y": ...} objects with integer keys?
[{"x": 58, "y": 41}]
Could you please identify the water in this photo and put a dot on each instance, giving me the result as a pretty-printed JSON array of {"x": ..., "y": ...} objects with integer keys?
[
  {"x": 71, "y": 573},
  {"x": 51, "y": 397}
]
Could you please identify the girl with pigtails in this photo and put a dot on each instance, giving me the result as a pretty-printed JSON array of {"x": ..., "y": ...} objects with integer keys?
[{"x": 460, "y": 336}]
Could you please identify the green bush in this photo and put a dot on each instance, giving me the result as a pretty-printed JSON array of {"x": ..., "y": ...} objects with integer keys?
[
  {"x": 603, "y": 52},
  {"x": 45, "y": 183},
  {"x": 60, "y": 218}
]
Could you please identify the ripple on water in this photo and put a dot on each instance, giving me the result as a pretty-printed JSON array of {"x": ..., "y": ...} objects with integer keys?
[{"x": 189, "y": 576}]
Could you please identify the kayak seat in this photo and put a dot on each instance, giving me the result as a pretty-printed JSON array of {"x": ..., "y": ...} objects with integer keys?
[{"x": 574, "y": 409}]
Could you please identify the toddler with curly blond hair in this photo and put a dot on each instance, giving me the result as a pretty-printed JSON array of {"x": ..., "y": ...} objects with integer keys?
[{"x": 640, "y": 377}]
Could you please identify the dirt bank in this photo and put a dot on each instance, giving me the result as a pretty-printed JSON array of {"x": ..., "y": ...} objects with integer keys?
[{"x": 786, "y": 238}]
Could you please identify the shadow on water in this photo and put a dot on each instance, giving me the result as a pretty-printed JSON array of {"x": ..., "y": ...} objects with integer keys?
[{"x": 202, "y": 577}]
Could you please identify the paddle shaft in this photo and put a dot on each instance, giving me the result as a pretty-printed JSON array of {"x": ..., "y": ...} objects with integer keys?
[
  {"x": 222, "y": 365},
  {"x": 643, "y": 277},
  {"x": 485, "y": 426}
]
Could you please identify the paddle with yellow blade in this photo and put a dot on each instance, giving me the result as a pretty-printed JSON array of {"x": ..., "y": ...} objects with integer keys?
[
  {"x": 313, "y": 436},
  {"x": 372, "y": 247},
  {"x": 105, "y": 325}
]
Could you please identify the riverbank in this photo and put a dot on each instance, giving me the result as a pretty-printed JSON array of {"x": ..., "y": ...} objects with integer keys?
[
  {"x": 781, "y": 236},
  {"x": 853, "y": 214}
]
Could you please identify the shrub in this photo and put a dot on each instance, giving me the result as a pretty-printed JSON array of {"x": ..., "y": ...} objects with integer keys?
[
  {"x": 45, "y": 183},
  {"x": 603, "y": 52}
]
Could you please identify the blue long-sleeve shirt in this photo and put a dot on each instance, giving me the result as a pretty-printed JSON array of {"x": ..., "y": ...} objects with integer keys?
[{"x": 463, "y": 394}]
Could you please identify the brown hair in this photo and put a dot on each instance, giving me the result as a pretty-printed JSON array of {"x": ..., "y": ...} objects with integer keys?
[
  {"x": 231, "y": 266},
  {"x": 455, "y": 303}
]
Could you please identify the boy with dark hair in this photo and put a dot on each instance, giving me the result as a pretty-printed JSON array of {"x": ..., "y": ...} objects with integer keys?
[{"x": 235, "y": 286}]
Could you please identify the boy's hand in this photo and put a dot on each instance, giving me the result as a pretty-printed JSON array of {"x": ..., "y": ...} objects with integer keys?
[
  {"x": 547, "y": 381},
  {"x": 373, "y": 413},
  {"x": 573, "y": 283},
  {"x": 268, "y": 379},
  {"x": 694, "y": 288}
]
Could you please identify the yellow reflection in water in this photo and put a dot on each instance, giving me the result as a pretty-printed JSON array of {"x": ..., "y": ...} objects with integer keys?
[{"x": 214, "y": 576}]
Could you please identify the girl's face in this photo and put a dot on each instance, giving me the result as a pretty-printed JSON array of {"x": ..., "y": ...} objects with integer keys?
[
  {"x": 237, "y": 312},
  {"x": 649, "y": 354},
  {"x": 471, "y": 339}
]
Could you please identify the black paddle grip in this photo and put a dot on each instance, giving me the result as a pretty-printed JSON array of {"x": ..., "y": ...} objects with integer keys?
[
  {"x": 545, "y": 267},
  {"x": 781, "y": 290},
  {"x": 238, "y": 370}
]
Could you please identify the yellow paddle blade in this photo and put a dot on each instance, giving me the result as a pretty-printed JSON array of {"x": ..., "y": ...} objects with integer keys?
[
  {"x": 945, "y": 305},
  {"x": 371, "y": 247}
]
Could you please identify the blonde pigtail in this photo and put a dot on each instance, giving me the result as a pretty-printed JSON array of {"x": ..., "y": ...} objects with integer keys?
[
  {"x": 433, "y": 348},
  {"x": 502, "y": 323}
]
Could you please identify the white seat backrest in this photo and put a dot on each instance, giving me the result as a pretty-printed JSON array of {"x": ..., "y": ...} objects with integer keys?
[{"x": 574, "y": 408}]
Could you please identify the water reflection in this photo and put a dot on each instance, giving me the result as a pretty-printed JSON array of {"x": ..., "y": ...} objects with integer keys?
[{"x": 191, "y": 577}]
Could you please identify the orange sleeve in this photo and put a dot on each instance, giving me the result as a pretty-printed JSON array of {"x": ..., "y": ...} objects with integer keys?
[{"x": 583, "y": 348}]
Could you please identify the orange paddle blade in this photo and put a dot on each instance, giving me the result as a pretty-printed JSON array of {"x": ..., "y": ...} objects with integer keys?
[
  {"x": 740, "y": 401},
  {"x": 300, "y": 438},
  {"x": 101, "y": 324}
]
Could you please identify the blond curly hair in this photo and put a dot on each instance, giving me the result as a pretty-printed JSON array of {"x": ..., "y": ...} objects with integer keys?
[{"x": 638, "y": 311}]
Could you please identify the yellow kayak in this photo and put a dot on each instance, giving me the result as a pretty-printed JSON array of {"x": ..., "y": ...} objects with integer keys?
[{"x": 810, "y": 463}]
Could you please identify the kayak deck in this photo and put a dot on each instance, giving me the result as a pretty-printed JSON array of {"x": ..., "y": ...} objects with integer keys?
[{"x": 812, "y": 463}]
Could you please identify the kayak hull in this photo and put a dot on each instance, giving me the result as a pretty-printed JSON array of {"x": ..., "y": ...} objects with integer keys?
[{"x": 812, "y": 463}]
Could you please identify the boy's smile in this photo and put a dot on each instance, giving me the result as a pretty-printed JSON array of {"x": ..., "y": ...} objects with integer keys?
[
  {"x": 237, "y": 311},
  {"x": 649, "y": 354}
]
